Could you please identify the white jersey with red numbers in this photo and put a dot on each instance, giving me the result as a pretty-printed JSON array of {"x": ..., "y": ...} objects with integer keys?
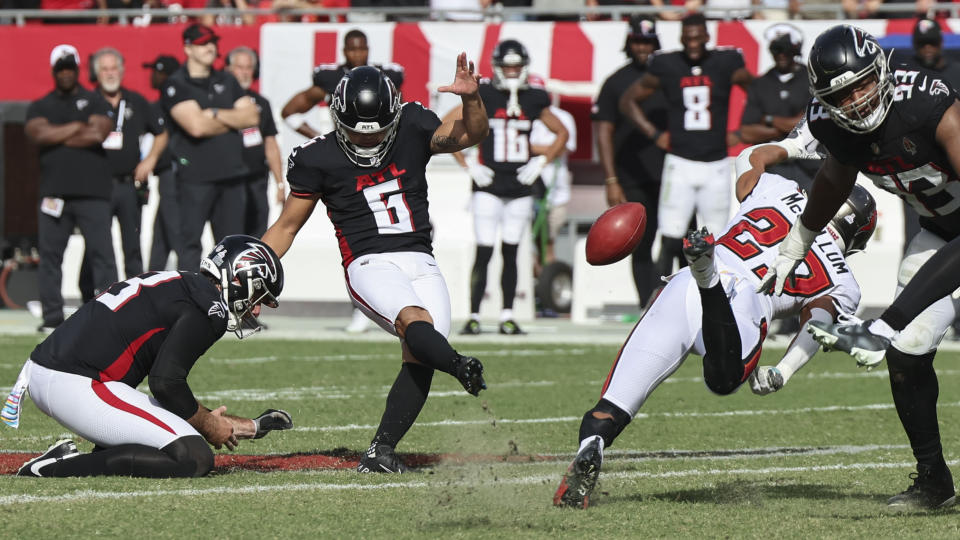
[{"x": 750, "y": 244}]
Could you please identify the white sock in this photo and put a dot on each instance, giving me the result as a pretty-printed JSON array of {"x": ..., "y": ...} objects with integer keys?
[
  {"x": 474, "y": 316},
  {"x": 881, "y": 328},
  {"x": 506, "y": 315},
  {"x": 704, "y": 272}
]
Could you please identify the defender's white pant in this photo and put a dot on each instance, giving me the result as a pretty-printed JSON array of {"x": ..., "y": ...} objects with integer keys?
[
  {"x": 107, "y": 414},
  {"x": 382, "y": 284},
  {"x": 671, "y": 329},
  {"x": 924, "y": 333},
  {"x": 510, "y": 215},
  {"x": 693, "y": 186}
]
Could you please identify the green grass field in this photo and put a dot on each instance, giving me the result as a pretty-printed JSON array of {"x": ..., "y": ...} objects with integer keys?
[{"x": 816, "y": 460}]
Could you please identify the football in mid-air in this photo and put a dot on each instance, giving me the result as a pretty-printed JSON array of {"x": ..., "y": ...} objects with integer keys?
[{"x": 616, "y": 233}]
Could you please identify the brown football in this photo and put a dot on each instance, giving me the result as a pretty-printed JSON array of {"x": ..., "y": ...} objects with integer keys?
[{"x": 616, "y": 233}]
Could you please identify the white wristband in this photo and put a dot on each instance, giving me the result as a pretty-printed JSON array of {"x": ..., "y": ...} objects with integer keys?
[{"x": 295, "y": 121}]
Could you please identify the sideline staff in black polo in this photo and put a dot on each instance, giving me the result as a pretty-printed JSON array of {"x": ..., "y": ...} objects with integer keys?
[
  {"x": 208, "y": 108},
  {"x": 166, "y": 225},
  {"x": 70, "y": 124},
  {"x": 133, "y": 117}
]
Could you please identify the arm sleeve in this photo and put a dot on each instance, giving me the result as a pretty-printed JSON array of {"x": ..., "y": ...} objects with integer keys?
[
  {"x": 606, "y": 108},
  {"x": 304, "y": 180},
  {"x": 189, "y": 337}
]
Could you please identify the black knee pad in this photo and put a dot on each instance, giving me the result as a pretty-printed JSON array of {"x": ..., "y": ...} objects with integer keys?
[
  {"x": 193, "y": 453},
  {"x": 607, "y": 428}
]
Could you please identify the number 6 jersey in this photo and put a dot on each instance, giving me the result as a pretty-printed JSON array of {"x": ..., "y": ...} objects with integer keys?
[
  {"x": 751, "y": 240},
  {"x": 380, "y": 209}
]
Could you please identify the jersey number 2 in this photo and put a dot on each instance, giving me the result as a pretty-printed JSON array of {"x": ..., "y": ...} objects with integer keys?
[
  {"x": 696, "y": 101},
  {"x": 389, "y": 207}
]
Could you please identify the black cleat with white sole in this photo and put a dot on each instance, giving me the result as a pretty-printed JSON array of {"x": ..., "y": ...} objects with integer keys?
[
  {"x": 577, "y": 485},
  {"x": 62, "y": 449},
  {"x": 380, "y": 458},
  {"x": 932, "y": 489}
]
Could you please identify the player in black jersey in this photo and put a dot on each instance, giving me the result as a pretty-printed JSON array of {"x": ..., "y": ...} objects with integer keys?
[
  {"x": 696, "y": 173},
  {"x": 370, "y": 174},
  {"x": 900, "y": 127},
  {"x": 326, "y": 77},
  {"x": 505, "y": 172},
  {"x": 153, "y": 326}
]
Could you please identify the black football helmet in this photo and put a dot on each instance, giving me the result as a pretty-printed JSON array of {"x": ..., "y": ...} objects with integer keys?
[
  {"x": 510, "y": 52},
  {"x": 840, "y": 60},
  {"x": 854, "y": 223},
  {"x": 249, "y": 273},
  {"x": 366, "y": 102}
]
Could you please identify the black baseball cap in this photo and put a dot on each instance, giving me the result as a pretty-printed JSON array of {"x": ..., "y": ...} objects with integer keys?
[
  {"x": 199, "y": 34},
  {"x": 925, "y": 32},
  {"x": 163, "y": 64},
  {"x": 643, "y": 28}
]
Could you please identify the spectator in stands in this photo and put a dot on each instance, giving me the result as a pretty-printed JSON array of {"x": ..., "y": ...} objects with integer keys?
[
  {"x": 69, "y": 125},
  {"x": 868, "y": 9},
  {"x": 777, "y": 100},
  {"x": 132, "y": 118},
  {"x": 166, "y": 225},
  {"x": 260, "y": 149},
  {"x": 222, "y": 20},
  {"x": 208, "y": 109},
  {"x": 632, "y": 163}
]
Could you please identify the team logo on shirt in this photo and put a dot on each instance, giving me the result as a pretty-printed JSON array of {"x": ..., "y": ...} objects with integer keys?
[
  {"x": 82, "y": 104},
  {"x": 218, "y": 308},
  {"x": 171, "y": 91},
  {"x": 909, "y": 146},
  {"x": 939, "y": 88},
  {"x": 219, "y": 88}
]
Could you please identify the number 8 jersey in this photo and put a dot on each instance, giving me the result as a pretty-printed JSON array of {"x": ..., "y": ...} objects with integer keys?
[
  {"x": 380, "y": 209},
  {"x": 750, "y": 244},
  {"x": 698, "y": 99}
]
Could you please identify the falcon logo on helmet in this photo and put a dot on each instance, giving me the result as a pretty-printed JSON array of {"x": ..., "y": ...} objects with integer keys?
[
  {"x": 854, "y": 223},
  {"x": 249, "y": 273},
  {"x": 843, "y": 61}
]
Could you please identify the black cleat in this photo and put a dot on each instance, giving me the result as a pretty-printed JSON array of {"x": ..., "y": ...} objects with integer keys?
[
  {"x": 472, "y": 328},
  {"x": 62, "y": 449},
  {"x": 577, "y": 485},
  {"x": 510, "y": 328},
  {"x": 931, "y": 490},
  {"x": 380, "y": 458},
  {"x": 470, "y": 374}
]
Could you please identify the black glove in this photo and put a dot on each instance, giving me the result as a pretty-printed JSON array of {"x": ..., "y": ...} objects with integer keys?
[{"x": 270, "y": 420}]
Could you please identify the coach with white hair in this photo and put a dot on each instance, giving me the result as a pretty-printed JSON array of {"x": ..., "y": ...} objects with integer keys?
[
  {"x": 69, "y": 125},
  {"x": 133, "y": 117}
]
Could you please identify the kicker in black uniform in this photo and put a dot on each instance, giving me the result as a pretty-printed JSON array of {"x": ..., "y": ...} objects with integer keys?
[{"x": 370, "y": 174}]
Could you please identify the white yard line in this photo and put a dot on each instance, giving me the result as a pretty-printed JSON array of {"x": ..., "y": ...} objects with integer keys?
[
  {"x": 519, "y": 481},
  {"x": 692, "y": 414},
  {"x": 395, "y": 356}
]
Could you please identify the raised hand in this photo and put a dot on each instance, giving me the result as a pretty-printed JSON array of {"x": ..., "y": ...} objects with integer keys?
[{"x": 466, "y": 81}]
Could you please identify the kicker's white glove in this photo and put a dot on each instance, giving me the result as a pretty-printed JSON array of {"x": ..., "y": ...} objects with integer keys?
[
  {"x": 766, "y": 380},
  {"x": 481, "y": 174},
  {"x": 529, "y": 173},
  {"x": 792, "y": 251}
]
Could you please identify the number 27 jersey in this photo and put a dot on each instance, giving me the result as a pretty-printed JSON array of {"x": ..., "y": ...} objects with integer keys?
[
  {"x": 751, "y": 241},
  {"x": 381, "y": 209}
]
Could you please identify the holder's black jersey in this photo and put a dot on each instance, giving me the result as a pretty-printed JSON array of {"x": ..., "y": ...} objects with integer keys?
[
  {"x": 902, "y": 156},
  {"x": 157, "y": 323},
  {"x": 507, "y": 147},
  {"x": 373, "y": 209},
  {"x": 698, "y": 99}
]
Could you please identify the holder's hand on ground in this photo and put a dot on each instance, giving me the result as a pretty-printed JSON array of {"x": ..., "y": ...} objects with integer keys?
[
  {"x": 218, "y": 430},
  {"x": 272, "y": 420}
]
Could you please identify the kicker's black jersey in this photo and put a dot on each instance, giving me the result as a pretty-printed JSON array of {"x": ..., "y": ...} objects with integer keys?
[
  {"x": 902, "y": 156},
  {"x": 154, "y": 323},
  {"x": 327, "y": 76},
  {"x": 507, "y": 147},
  {"x": 373, "y": 209},
  {"x": 698, "y": 99}
]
